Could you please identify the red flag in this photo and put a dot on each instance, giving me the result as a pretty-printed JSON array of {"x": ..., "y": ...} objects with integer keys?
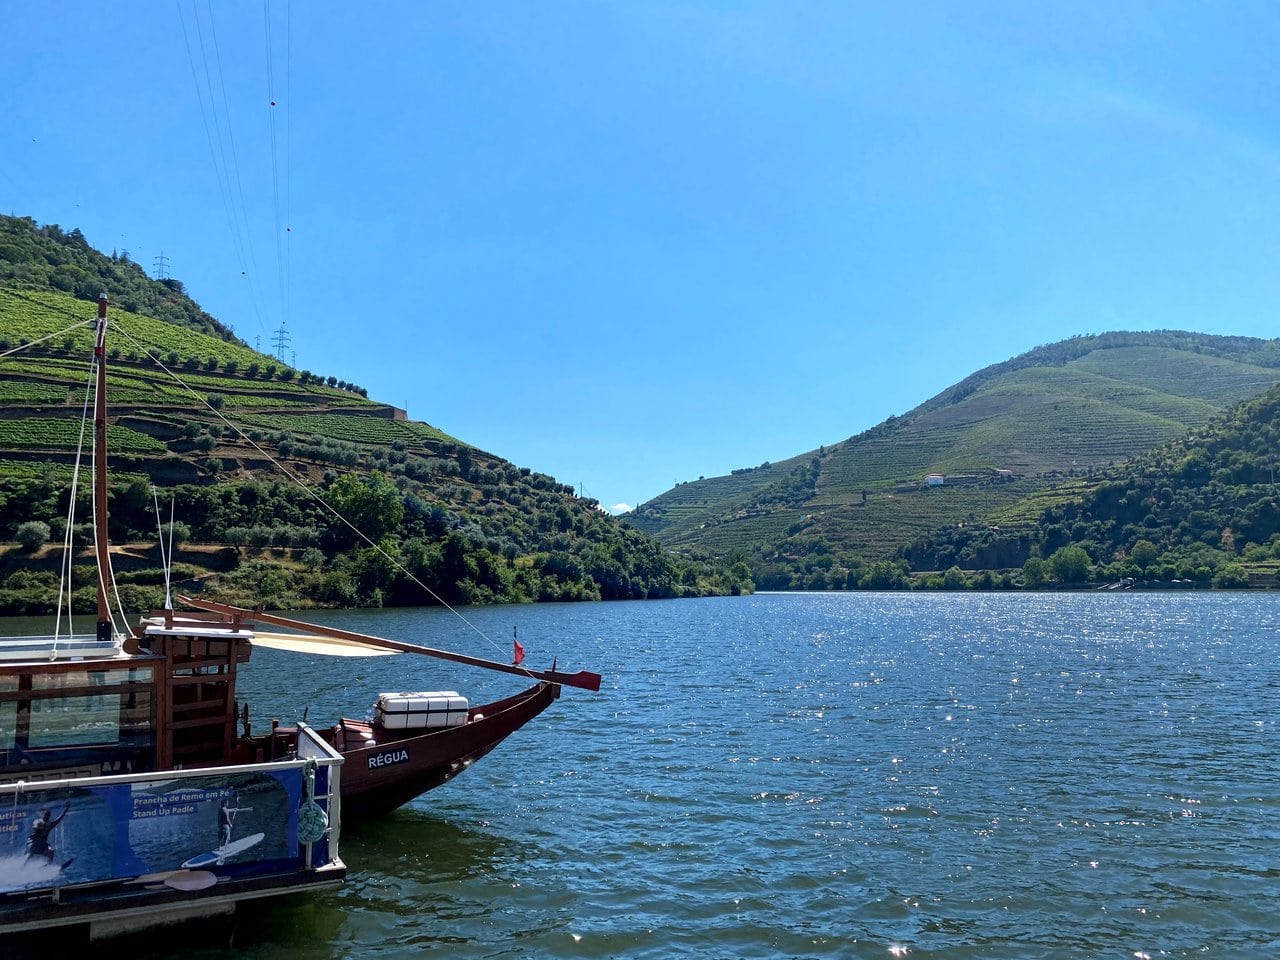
[{"x": 519, "y": 652}]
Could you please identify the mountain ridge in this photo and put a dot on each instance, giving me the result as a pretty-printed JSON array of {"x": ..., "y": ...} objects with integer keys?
[
  {"x": 1200, "y": 510},
  {"x": 1006, "y": 432}
]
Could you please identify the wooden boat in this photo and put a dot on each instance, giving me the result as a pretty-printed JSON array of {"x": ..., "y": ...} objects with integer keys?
[
  {"x": 112, "y": 732},
  {"x": 129, "y": 728},
  {"x": 386, "y": 767}
]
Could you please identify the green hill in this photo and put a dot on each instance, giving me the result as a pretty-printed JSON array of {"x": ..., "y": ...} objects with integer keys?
[
  {"x": 221, "y": 429},
  {"x": 1008, "y": 432},
  {"x": 34, "y": 257},
  {"x": 1203, "y": 508}
]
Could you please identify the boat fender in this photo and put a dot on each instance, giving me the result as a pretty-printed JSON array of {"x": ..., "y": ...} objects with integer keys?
[{"x": 477, "y": 717}]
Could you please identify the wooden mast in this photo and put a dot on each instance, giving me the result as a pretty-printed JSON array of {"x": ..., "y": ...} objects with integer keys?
[{"x": 105, "y": 627}]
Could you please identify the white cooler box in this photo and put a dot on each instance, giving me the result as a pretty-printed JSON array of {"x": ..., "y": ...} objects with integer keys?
[{"x": 421, "y": 711}]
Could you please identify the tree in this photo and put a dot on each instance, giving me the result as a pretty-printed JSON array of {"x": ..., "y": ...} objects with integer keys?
[
  {"x": 1034, "y": 573},
  {"x": 1143, "y": 553},
  {"x": 371, "y": 504},
  {"x": 1070, "y": 564},
  {"x": 32, "y": 535},
  {"x": 1231, "y": 577},
  {"x": 884, "y": 575}
]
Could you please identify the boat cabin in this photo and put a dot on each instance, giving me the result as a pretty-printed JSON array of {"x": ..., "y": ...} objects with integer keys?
[
  {"x": 74, "y": 708},
  {"x": 126, "y": 798}
]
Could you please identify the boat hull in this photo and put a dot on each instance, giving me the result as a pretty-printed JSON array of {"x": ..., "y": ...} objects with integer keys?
[{"x": 385, "y": 769}]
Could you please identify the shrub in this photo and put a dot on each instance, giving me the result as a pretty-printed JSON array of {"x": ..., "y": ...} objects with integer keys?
[
  {"x": 313, "y": 558},
  {"x": 32, "y": 535}
]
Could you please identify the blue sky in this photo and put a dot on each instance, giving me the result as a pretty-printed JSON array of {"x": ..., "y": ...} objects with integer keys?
[{"x": 630, "y": 244}]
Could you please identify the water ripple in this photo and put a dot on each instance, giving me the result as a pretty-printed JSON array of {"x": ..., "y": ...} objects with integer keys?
[{"x": 864, "y": 775}]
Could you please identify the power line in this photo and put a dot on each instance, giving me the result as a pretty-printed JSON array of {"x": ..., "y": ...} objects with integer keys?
[
  {"x": 235, "y": 214},
  {"x": 243, "y": 207},
  {"x": 162, "y": 266},
  {"x": 288, "y": 159},
  {"x": 275, "y": 164}
]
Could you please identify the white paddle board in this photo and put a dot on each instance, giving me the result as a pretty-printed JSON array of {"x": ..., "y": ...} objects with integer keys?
[{"x": 220, "y": 856}]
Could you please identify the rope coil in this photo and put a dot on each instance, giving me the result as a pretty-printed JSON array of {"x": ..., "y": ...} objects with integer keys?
[{"x": 313, "y": 822}]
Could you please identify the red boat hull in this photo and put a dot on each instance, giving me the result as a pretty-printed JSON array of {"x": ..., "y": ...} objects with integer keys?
[{"x": 385, "y": 769}]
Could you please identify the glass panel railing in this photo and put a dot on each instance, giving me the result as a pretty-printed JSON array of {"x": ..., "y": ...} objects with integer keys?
[{"x": 46, "y": 648}]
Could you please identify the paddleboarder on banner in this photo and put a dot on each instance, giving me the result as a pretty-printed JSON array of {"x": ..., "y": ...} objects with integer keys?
[
  {"x": 226, "y": 848},
  {"x": 224, "y": 823},
  {"x": 38, "y": 842}
]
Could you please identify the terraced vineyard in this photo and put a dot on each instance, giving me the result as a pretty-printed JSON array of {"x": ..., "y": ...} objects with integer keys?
[
  {"x": 36, "y": 433},
  {"x": 38, "y": 393},
  {"x": 1027, "y": 511},
  {"x": 354, "y": 429},
  {"x": 58, "y": 473},
  {"x": 172, "y": 380},
  {"x": 31, "y": 315},
  {"x": 888, "y": 521},
  {"x": 143, "y": 349},
  {"x": 1012, "y": 431}
]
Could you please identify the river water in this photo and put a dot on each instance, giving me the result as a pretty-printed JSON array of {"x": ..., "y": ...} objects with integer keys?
[{"x": 820, "y": 775}]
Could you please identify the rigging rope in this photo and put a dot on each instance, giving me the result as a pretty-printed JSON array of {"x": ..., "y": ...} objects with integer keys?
[
  {"x": 166, "y": 557},
  {"x": 65, "y": 578},
  {"x": 310, "y": 491},
  {"x": 35, "y": 343},
  {"x": 108, "y": 575}
]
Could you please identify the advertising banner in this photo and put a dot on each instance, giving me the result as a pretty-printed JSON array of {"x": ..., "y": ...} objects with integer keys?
[{"x": 234, "y": 824}]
